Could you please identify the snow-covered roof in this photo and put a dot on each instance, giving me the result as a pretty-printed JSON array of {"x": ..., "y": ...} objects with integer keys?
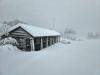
[{"x": 35, "y": 31}]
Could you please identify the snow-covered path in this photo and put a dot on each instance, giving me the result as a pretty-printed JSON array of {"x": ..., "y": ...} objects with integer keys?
[{"x": 77, "y": 58}]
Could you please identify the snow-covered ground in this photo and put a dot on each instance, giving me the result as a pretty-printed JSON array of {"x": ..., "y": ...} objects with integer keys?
[{"x": 77, "y": 58}]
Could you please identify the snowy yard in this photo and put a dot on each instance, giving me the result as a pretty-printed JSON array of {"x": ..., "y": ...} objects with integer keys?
[{"x": 77, "y": 58}]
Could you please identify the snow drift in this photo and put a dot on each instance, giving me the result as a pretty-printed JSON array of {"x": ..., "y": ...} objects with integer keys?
[{"x": 77, "y": 58}]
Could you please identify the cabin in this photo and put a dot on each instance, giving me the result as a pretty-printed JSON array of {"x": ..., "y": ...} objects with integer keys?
[{"x": 31, "y": 38}]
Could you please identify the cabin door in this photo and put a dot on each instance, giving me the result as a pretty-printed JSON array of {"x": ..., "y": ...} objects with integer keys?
[{"x": 28, "y": 44}]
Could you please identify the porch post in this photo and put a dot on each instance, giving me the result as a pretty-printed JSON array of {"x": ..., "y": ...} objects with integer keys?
[
  {"x": 53, "y": 40},
  {"x": 47, "y": 42},
  {"x": 56, "y": 39},
  {"x": 50, "y": 40},
  {"x": 41, "y": 43},
  {"x": 32, "y": 44},
  {"x": 59, "y": 38}
]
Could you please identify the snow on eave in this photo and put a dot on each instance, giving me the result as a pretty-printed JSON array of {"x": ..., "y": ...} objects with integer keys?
[{"x": 35, "y": 31}]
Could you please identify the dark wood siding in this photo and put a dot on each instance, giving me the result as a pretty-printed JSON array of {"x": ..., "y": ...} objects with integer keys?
[
  {"x": 19, "y": 32},
  {"x": 22, "y": 37}
]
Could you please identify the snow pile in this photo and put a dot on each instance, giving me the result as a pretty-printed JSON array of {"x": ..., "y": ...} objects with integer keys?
[
  {"x": 65, "y": 41},
  {"x": 77, "y": 58},
  {"x": 8, "y": 40},
  {"x": 8, "y": 48}
]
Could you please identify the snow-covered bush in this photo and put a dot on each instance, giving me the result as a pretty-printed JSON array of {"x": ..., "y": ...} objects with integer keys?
[
  {"x": 65, "y": 42},
  {"x": 8, "y": 40}
]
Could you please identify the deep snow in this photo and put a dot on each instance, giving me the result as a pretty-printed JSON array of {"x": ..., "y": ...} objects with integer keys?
[{"x": 77, "y": 58}]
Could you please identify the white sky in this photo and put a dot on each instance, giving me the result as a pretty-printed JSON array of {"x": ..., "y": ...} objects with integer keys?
[{"x": 81, "y": 15}]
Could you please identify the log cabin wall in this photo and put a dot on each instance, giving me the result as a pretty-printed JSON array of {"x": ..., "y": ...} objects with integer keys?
[
  {"x": 27, "y": 42},
  {"x": 22, "y": 37}
]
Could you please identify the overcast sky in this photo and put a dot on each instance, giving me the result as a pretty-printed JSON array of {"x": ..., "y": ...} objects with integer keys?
[{"x": 81, "y": 15}]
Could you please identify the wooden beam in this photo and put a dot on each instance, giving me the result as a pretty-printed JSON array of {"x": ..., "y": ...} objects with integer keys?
[
  {"x": 50, "y": 40},
  {"x": 58, "y": 38},
  {"x": 32, "y": 44},
  {"x": 23, "y": 32},
  {"x": 41, "y": 43},
  {"x": 47, "y": 42},
  {"x": 18, "y": 34}
]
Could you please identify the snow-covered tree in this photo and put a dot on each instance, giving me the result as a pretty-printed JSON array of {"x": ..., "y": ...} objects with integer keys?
[
  {"x": 14, "y": 22},
  {"x": 7, "y": 25},
  {"x": 70, "y": 34},
  {"x": 4, "y": 28},
  {"x": 93, "y": 35}
]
